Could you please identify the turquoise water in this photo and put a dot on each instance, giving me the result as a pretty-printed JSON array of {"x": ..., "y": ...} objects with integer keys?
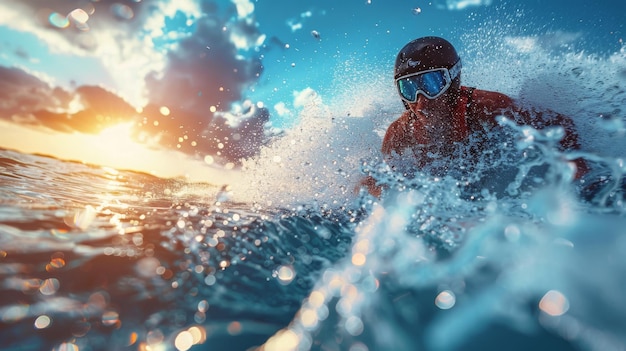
[{"x": 512, "y": 255}]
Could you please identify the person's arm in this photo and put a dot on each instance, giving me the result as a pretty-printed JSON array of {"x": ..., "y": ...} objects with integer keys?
[
  {"x": 369, "y": 183},
  {"x": 397, "y": 136},
  {"x": 395, "y": 141}
]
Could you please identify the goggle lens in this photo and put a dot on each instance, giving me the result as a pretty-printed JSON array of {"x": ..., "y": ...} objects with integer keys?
[{"x": 430, "y": 84}]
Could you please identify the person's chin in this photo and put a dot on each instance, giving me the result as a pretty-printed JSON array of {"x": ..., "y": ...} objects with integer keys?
[{"x": 425, "y": 112}]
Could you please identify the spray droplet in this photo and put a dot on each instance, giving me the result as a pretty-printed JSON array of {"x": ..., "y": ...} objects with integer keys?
[
  {"x": 285, "y": 274},
  {"x": 445, "y": 300},
  {"x": 554, "y": 303}
]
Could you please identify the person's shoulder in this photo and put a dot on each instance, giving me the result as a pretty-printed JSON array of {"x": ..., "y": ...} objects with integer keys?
[
  {"x": 401, "y": 121},
  {"x": 491, "y": 99},
  {"x": 396, "y": 134}
]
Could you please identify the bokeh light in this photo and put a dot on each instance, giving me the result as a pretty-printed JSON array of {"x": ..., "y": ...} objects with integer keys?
[
  {"x": 183, "y": 341},
  {"x": 122, "y": 11},
  {"x": 285, "y": 274},
  {"x": 445, "y": 300},
  {"x": 42, "y": 322},
  {"x": 49, "y": 286},
  {"x": 58, "y": 20},
  {"x": 285, "y": 339},
  {"x": 110, "y": 318},
  {"x": 67, "y": 346},
  {"x": 554, "y": 303}
]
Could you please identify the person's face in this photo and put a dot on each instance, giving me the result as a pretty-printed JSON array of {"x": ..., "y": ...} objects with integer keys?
[{"x": 436, "y": 112}]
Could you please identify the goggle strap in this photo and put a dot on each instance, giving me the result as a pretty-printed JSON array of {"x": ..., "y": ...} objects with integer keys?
[{"x": 455, "y": 70}]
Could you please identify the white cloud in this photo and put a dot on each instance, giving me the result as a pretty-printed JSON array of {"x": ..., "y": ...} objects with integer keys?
[
  {"x": 125, "y": 48},
  {"x": 549, "y": 41},
  {"x": 311, "y": 103},
  {"x": 245, "y": 8},
  {"x": 243, "y": 41},
  {"x": 282, "y": 109},
  {"x": 297, "y": 25},
  {"x": 294, "y": 26},
  {"x": 306, "y": 97},
  {"x": 522, "y": 44},
  {"x": 463, "y": 4}
]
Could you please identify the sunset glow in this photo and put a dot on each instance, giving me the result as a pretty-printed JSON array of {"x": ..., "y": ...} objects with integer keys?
[{"x": 113, "y": 147}]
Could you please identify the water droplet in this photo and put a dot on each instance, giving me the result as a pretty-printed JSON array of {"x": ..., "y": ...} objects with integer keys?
[
  {"x": 57, "y": 263},
  {"x": 445, "y": 300},
  {"x": 110, "y": 318},
  {"x": 234, "y": 328},
  {"x": 83, "y": 219},
  {"x": 358, "y": 259},
  {"x": 58, "y": 20},
  {"x": 285, "y": 274},
  {"x": 203, "y": 305},
  {"x": 50, "y": 286},
  {"x": 79, "y": 15},
  {"x": 147, "y": 267},
  {"x": 308, "y": 318},
  {"x": 358, "y": 347},
  {"x": 209, "y": 280},
  {"x": 554, "y": 303},
  {"x": 354, "y": 326},
  {"x": 122, "y": 11},
  {"x": 42, "y": 322},
  {"x": 512, "y": 232},
  {"x": 198, "y": 333},
  {"x": 285, "y": 339},
  {"x": 183, "y": 341},
  {"x": 66, "y": 346}
]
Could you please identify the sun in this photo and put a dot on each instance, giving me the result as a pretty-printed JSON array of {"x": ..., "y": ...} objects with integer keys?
[
  {"x": 116, "y": 146},
  {"x": 117, "y": 142}
]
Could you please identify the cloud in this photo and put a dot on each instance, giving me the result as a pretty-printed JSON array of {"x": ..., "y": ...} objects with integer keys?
[
  {"x": 198, "y": 71},
  {"x": 26, "y": 99},
  {"x": 281, "y": 109},
  {"x": 297, "y": 24},
  {"x": 553, "y": 41},
  {"x": 113, "y": 31},
  {"x": 455, "y": 5},
  {"x": 306, "y": 97},
  {"x": 22, "y": 93}
]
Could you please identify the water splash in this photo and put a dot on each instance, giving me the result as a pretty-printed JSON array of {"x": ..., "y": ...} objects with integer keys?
[{"x": 440, "y": 264}]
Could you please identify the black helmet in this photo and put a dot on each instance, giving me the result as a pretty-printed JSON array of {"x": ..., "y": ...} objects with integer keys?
[{"x": 423, "y": 54}]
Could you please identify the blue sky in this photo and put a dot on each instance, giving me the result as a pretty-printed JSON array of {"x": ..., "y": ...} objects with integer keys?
[{"x": 225, "y": 68}]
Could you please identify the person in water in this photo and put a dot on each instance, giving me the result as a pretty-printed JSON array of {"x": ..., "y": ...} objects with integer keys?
[{"x": 440, "y": 112}]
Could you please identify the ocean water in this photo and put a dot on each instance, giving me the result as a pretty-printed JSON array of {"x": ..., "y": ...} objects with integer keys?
[{"x": 288, "y": 257}]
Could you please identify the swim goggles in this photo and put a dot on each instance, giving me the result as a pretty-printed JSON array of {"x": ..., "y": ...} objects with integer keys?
[{"x": 430, "y": 83}]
